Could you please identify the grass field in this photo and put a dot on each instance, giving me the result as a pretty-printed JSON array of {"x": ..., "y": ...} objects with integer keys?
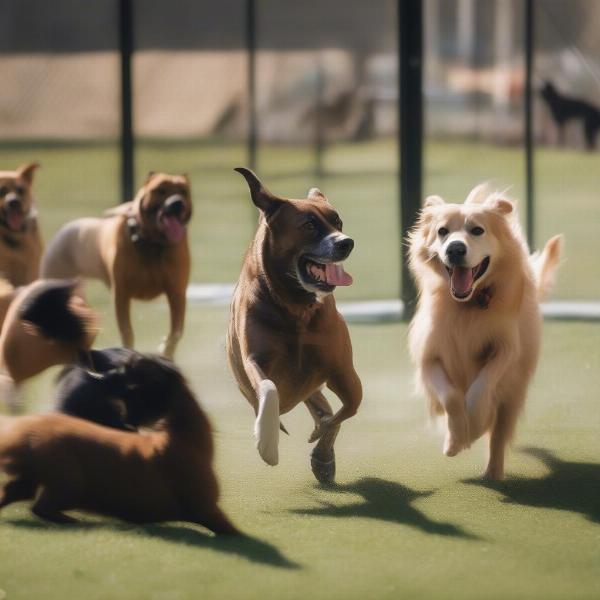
[{"x": 403, "y": 521}]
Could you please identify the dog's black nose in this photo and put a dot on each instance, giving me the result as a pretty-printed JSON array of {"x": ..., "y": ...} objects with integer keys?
[
  {"x": 174, "y": 205},
  {"x": 343, "y": 248},
  {"x": 456, "y": 252},
  {"x": 12, "y": 201}
]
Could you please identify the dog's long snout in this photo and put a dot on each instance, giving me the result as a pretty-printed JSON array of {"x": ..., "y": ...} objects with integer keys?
[
  {"x": 174, "y": 205},
  {"x": 12, "y": 201},
  {"x": 343, "y": 248},
  {"x": 456, "y": 252}
]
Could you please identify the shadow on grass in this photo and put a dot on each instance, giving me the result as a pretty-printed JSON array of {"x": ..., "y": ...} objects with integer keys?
[
  {"x": 250, "y": 548},
  {"x": 385, "y": 501},
  {"x": 570, "y": 486}
]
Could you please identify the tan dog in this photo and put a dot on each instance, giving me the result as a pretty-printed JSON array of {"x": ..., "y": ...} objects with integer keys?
[
  {"x": 65, "y": 463},
  {"x": 20, "y": 240},
  {"x": 286, "y": 338},
  {"x": 476, "y": 333},
  {"x": 139, "y": 249}
]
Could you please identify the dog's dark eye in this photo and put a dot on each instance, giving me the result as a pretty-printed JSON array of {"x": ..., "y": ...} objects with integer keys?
[
  {"x": 310, "y": 225},
  {"x": 337, "y": 223},
  {"x": 161, "y": 191},
  {"x": 443, "y": 232},
  {"x": 477, "y": 231},
  {"x": 3, "y": 190},
  {"x": 20, "y": 190}
]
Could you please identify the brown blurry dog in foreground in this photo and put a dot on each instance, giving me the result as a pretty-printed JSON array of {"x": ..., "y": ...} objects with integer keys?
[
  {"x": 139, "y": 249},
  {"x": 65, "y": 463},
  {"x": 475, "y": 336},
  {"x": 20, "y": 240},
  {"x": 286, "y": 339}
]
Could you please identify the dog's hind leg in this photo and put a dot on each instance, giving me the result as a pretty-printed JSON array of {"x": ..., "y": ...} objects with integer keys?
[
  {"x": 177, "y": 301},
  {"x": 502, "y": 432},
  {"x": 17, "y": 489},
  {"x": 48, "y": 507},
  {"x": 266, "y": 426},
  {"x": 122, "y": 308},
  {"x": 437, "y": 383},
  {"x": 322, "y": 458}
]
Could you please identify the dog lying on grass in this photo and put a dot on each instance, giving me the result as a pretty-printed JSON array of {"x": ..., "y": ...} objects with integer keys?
[
  {"x": 476, "y": 333},
  {"x": 108, "y": 388},
  {"x": 64, "y": 463}
]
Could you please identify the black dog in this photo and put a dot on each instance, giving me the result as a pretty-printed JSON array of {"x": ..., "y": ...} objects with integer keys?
[
  {"x": 564, "y": 109},
  {"x": 116, "y": 387}
]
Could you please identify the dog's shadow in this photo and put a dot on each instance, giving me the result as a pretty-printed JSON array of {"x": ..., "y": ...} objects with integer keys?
[
  {"x": 250, "y": 548},
  {"x": 385, "y": 501},
  {"x": 570, "y": 486}
]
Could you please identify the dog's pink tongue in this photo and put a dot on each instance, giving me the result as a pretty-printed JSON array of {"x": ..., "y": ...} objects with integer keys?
[
  {"x": 462, "y": 280},
  {"x": 174, "y": 229},
  {"x": 336, "y": 275},
  {"x": 14, "y": 219}
]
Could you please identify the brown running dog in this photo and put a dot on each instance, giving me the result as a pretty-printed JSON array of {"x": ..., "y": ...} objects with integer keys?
[
  {"x": 139, "y": 249},
  {"x": 286, "y": 339},
  {"x": 65, "y": 463},
  {"x": 20, "y": 240}
]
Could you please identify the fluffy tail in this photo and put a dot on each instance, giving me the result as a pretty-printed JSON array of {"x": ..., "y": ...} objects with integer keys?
[{"x": 545, "y": 264}]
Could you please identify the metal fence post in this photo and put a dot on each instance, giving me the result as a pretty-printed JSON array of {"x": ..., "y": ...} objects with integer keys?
[
  {"x": 529, "y": 141},
  {"x": 410, "y": 131},
  {"x": 251, "y": 49},
  {"x": 127, "y": 141}
]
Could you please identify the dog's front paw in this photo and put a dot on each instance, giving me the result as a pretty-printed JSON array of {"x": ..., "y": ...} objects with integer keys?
[
  {"x": 457, "y": 436},
  {"x": 268, "y": 451}
]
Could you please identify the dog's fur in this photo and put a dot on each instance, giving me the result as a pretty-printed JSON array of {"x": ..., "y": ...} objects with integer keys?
[
  {"x": 20, "y": 239},
  {"x": 139, "y": 249},
  {"x": 47, "y": 323},
  {"x": 565, "y": 108},
  {"x": 286, "y": 338},
  {"x": 108, "y": 388},
  {"x": 475, "y": 336},
  {"x": 65, "y": 463}
]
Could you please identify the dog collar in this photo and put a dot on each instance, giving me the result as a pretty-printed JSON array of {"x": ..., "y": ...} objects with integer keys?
[
  {"x": 134, "y": 229},
  {"x": 483, "y": 298}
]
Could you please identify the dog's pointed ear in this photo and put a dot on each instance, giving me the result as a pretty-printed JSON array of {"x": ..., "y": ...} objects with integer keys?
[
  {"x": 27, "y": 170},
  {"x": 433, "y": 201},
  {"x": 500, "y": 206},
  {"x": 317, "y": 195},
  {"x": 149, "y": 176},
  {"x": 261, "y": 196}
]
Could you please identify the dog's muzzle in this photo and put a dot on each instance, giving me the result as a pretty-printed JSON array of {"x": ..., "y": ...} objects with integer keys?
[
  {"x": 342, "y": 249},
  {"x": 174, "y": 206},
  {"x": 456, "y": 253}
]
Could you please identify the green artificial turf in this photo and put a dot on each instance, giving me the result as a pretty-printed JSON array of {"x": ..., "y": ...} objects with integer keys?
[{"x": 404, "y": 521}]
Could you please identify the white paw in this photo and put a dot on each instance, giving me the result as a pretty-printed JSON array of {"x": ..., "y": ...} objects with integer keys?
[{"x": 266, "y": 426}]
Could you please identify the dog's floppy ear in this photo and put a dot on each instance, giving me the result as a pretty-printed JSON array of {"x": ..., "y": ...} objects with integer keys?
[
  {"x": 316, "y": 194},
  {"x": 261, "y": 196},
  {"x": 500, "y": 206},
  {"x": 433, "y": 201},
  {"x": 27, "y": 170}
]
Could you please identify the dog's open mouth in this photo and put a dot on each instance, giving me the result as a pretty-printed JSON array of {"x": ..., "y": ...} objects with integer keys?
[
  {"x": 13, "y": 218},
  {"x": 172, "y": 227},
  {"x": 462, "y": 279},
  {"x": 324, "y": 276}
]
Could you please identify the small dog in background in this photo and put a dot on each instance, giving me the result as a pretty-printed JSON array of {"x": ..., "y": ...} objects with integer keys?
[
  {"x": 115, "y": 387},
  {"x": 139, "y": 249},
  {"x": 565, "y": 108},
  {"x": 65, "y": 463},
  {"x": 20, "y": 239},
  {"x": 476, "y": 333}
]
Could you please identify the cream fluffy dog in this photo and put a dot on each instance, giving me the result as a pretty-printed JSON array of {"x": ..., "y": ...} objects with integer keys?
[{"x": 476, "y": 333}]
